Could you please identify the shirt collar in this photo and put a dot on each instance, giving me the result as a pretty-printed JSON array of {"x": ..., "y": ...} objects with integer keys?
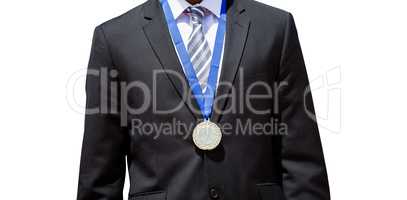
[{"x": 178, "y": 6}]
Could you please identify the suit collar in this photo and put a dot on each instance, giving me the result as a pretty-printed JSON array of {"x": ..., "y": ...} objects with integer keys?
[
  {"x": 179, "y": 6},
  {"x": 152, "y": 8}
]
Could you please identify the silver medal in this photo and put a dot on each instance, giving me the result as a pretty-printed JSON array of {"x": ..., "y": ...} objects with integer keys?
[{"x": 207, "y": 135}]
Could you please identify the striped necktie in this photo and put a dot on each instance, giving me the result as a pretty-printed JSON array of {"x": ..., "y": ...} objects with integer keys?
[{"x": 198, "y": 47}]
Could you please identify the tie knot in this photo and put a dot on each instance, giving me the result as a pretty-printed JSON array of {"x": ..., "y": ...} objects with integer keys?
[{"x": 196, "y": 13}]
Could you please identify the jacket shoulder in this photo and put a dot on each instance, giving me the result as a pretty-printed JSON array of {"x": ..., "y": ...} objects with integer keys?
[
  {"x": 264, "y": 12},
  {"x": 268, "y": 9}
]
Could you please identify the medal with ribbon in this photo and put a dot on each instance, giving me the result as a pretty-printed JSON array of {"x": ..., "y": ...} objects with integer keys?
[{"x": 206, "y": 135}]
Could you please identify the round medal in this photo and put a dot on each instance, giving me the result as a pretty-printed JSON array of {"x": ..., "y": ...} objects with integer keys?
[{"x": 207, "y": 135}]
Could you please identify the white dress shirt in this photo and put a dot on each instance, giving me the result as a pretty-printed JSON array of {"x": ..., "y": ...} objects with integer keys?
[{"x": 209, "y": 23}]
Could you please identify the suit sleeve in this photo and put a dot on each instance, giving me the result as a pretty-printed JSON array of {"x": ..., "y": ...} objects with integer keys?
[
  {"x": 303, "y": 165},
  {"x": 102, "y": 167}
]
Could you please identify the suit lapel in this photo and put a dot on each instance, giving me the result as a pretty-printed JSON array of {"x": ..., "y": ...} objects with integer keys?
[
  {"x": 156, "y": 31},
  {"x": 238, "y": 25}
]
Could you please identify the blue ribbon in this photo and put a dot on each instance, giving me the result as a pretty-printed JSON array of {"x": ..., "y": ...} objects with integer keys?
[{"x": 205, "y": 101}]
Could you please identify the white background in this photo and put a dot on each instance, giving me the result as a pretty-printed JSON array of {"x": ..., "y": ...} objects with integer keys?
[{"x": 358, "y": 47}]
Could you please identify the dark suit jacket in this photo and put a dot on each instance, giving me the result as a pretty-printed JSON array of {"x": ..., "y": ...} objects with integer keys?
[{"x": 261, "y": 45}]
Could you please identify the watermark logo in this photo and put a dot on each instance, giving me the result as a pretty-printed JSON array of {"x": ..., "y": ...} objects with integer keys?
[
  {"x": 260, "y": 99},
  {"x": 328, "y": 88}
]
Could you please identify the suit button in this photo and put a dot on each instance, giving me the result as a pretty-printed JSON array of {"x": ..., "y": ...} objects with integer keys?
[{"x": 214, "y": 193}]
